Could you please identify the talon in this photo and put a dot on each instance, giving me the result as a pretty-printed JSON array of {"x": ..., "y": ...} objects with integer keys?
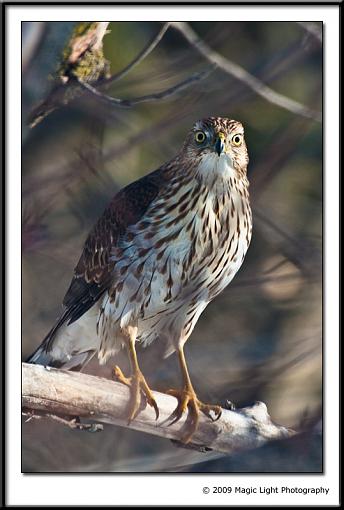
[
  {"x": 138, "y": 388},
  {"x": 207, "y": 409},
  {"x": 187, "y": 399},
  {"x": 219, "y": 414},
  {"x": 175, "y": 416},
  {"x": 156, "y": 409}
]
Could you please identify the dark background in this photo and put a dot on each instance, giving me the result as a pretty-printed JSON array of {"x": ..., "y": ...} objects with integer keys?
[{"x": 262, "y": 338}]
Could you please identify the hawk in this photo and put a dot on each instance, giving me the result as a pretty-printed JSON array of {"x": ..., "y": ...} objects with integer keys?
[{"x": 165, "y": 247}]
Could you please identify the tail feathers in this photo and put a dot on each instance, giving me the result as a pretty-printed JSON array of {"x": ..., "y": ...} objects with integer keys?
[
  {"x": 43, "y": 355},
  {"x": 60, "y": 351},
  {"x": 40, "y": 357},
  {"x": 69, "y": 362}
]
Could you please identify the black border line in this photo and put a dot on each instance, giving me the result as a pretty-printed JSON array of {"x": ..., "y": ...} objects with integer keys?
[
  {"x": 3, "y": 145},
  {"x": 322, "y": 367},
  {"x": 340, "y": 251},
  {"x": 225, "y": 3},
  {"x": 204, "y": 3},
  {"x": 245, "y": 473}
]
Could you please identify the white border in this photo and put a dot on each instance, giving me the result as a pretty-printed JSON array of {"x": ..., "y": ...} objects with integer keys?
[{"x": 181, "y": 489}]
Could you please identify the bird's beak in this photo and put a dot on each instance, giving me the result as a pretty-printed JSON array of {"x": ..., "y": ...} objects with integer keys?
[{"x": 220, "y": 143}]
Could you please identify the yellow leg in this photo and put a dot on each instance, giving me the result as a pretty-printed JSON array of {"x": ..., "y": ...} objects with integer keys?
[
  {"x": 137, "y": 383},
  {"x": 187, "y": 398}
]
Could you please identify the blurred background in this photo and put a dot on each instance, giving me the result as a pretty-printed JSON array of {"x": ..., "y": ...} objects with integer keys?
[{"x": 261, "y": 339}]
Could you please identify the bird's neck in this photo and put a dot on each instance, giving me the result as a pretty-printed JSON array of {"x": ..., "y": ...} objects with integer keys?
[
  {"x": 217, "y": 175},
  {"x": 220, "y": 171}
]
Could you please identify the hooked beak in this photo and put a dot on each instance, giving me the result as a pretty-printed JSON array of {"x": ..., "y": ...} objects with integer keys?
[{"x": 220, "y": 144}]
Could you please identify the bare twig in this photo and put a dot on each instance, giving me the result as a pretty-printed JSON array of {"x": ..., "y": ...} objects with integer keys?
[
  {"x": 73, "y": 423},
  {"x": 138, "y": 59},
  {"x": 303, "y": 253},
  {"x": 31, "y": 42},
  {"x": 164, "y": 94},
  {"x": 277, "y": 228},
  {"x": 64, "y": 393},
  {"x": 80, "y": 45},
  {"x": 241, "y": 74},
  {"x": 312, "y": 29}
]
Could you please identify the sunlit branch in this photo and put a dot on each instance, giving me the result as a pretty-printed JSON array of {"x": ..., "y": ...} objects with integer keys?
[{"x": 66, "y": 395}]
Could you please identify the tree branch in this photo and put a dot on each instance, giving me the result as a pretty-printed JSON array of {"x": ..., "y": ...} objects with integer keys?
[
  {"x": 138, "y": 59},
  {"x": 156, "y": 96},
  {"x": 64, "y": 393},
  {"x": 241, "y": 74},
  {"x": 31, "y": 43},
  {"x": 82, "y": 58},
  {"x": 312, "y": 28}
]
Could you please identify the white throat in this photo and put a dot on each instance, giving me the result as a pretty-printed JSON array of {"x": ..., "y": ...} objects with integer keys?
[{"x": 213, "y": 168}]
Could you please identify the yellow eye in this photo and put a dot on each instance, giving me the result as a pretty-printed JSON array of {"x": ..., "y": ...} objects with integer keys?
[
  {"x": 200, "y": 136},
  {"x": 237, "y": 140}
]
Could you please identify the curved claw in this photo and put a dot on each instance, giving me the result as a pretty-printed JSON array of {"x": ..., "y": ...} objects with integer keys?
[
  {"x": 181, "y": 407},
  {"x": 138, "y": 388},
  {"x": 207, "y": 413},
  {"x": 187, "y": 399},
  {"x": 175, "y": 416},
  {"x": 206, "y": 409},
  {"x": 219, "y": 414},
  {"x": 156, "y": 408}
]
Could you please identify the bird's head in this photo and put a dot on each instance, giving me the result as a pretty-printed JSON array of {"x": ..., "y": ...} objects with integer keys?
[{"x": 218, "y": 139}]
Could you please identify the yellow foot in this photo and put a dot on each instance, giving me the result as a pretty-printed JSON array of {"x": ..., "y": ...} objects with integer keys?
[
  {"x": 187, "y": 399},
  {"x": 138, "y": 387}
]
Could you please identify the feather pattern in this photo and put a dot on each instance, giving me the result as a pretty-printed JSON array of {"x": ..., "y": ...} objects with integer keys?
[{"x": 166, "y": 246}]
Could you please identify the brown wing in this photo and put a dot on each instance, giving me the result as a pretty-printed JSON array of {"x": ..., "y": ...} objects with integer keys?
[{"x": 92, "y": 275}]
